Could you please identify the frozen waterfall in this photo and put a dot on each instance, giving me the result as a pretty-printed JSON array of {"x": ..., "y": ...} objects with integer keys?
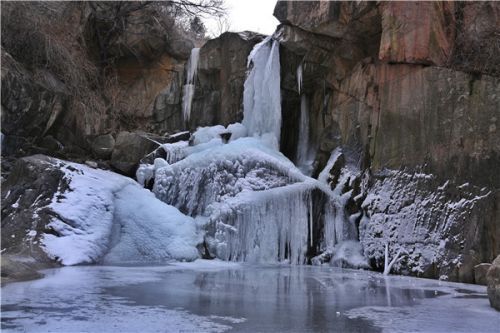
[
  {"x": 253, "y": 202},
  {"x": 303, "y": 158},
  {"x": 188, "y": 91},
  {"x": 262, "y": 94},
  {"x": 299, "y": 78}
]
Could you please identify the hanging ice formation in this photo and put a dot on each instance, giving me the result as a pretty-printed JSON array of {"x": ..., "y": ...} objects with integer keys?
[
  {"x": 262, "y": 94},
  {"x": 299, "y": 78},
  {"x": 254, "y": 204},
  {"x": 303, "y": 156},
  {"x": 188, "y": 91}
]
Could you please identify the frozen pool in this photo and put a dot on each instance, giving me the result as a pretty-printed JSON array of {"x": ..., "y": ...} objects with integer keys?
[{"x": 212, "y": 296}]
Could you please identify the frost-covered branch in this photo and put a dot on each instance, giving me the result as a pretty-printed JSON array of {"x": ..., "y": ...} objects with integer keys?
[{"x": 388, "y": 265}]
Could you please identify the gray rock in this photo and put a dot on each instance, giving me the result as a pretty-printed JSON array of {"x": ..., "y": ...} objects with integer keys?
[
  {"x": 26, "y": 194},
  {"x": 222, "y": 67},
  {"x": 16, "y": 268},
  {"x": 50, "y": 143},
  {"x": 129, "y": 149},
  {"x": 493, "y": 279},
  {"x": 480, "y": 273},
  {"x": 103, "y": 146}
]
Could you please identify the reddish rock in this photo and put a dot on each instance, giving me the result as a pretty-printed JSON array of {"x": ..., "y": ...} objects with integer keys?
[{"x": 417, "y": 32}]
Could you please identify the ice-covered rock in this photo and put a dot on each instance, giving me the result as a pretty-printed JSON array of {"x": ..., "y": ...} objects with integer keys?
[
  {"x": 255, "y": 204},
  {"x": 80, "y": 214},
  {"x": 439, "y": 226}
]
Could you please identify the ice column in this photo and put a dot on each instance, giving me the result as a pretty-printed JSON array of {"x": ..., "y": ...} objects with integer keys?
[
  {"x": 273, "y": 226},
  {"x": 262, "y": 95},
  {"x": 299, "y": 77},
  {"x": 188, "y": 91},
  {"x": 303, "y": 158}
]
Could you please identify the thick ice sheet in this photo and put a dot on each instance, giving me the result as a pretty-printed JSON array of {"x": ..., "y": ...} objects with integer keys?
[{"x": 206, "y": 296}]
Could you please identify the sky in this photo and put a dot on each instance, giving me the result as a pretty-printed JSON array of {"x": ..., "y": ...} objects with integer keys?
[{"x": 253, "y": 15}]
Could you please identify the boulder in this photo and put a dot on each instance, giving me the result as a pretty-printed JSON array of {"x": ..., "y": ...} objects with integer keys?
[
  {"x": 493, "y": 280},
  {"x": 19, "y": 268},
  {"x": 129, "y": 149},
  {"x": 480, "y": 272},
  {"x": 26, "y": 194},
  {"x": 103, "y": 146}
]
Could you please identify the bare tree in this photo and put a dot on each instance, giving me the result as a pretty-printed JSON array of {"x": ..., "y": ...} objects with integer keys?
[
  {"x": 223, "y": 25},
  {"x": 111, "y": 20}
]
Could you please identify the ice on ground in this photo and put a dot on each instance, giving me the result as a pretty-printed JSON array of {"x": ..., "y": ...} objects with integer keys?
[
  {"x": 349, "y": 254},
  {"x": 74, "y": 299},
  {"x": 84, "y": 216},
  {"x": 244, "y": 298}
]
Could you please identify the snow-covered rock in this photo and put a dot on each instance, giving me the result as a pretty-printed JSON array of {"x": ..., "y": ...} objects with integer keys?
[
  {"x": 86, "y": 214},
  {"x": 438, "y": 225}
]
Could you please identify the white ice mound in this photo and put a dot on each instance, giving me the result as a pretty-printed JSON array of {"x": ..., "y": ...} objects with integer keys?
[
  {"x": 214, "y": 171},
  {"x": 148, "y": 230},
  {"x": 103, "y": 211},
  {"x": 255, "y": 204}
]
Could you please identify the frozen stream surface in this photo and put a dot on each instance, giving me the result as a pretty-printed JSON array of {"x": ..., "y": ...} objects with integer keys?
[{"x": 214, "y": 296}]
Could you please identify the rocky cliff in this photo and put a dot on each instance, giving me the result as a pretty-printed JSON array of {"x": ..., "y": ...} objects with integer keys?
[
  {"x": 409, "y": 93},
  {"x": 402, "y": 102}
]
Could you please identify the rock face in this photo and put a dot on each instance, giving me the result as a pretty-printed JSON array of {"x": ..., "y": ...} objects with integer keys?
[
  {"x": 480, "y": 272},
  {"x": 493, "y": 280},
  {"x": 25, "y": 197},
  {"x": 390, "y": 88},
  {"x": 417, "y": 32},
  {"x": 222, "y": 68},
  {"x": 129, "y": 149},
  {"x": 91, "y": 79},
  {"x": 103, "y": 146}
]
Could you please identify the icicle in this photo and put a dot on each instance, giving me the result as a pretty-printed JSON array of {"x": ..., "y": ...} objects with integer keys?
[
  {"x": 262, "y": 92},
  {"x": 188, "y": 91},
  {"x": 303, "y": 157},
  {"x": 299, "y": 77},
  {"x": 311, "y": 228},
  {"x": 268, "y": 227}
]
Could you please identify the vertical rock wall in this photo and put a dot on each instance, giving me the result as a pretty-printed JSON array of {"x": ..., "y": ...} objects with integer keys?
[{"x": 409, "y": 92}]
